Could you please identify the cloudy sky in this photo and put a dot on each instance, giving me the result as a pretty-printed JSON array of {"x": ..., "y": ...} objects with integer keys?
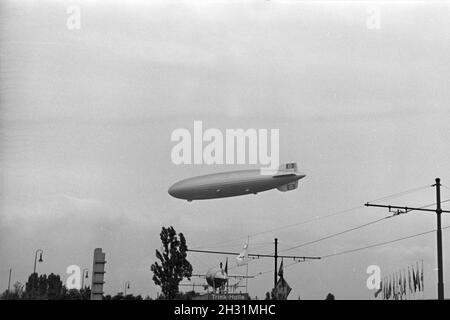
[{"x": 86, "y": 117}]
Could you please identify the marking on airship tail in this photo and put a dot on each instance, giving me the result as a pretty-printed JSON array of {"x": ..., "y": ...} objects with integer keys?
[
  {"x": 282, "y": 170},
  {"x": 290, "y": 167},
  {"x": 287, "y": 169}
]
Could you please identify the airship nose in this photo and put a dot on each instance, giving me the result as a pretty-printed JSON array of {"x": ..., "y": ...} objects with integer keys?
[
  {"x": 179, "y": 189},
  {"x": 174, "y": 190}
]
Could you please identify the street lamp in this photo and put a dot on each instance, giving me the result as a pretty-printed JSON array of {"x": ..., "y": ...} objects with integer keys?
[
  {"x": 85, "y": 274},
  {"x": 127, "y": 286},
  {"x": 35, "y": 258}
]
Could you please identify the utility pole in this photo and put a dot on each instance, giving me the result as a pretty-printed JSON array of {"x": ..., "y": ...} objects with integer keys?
[
  {"x": 400, "y": 210},
  {"x": 276, "y": 264},
  {"x": 9, "y": 284},
  {"x": 439, "y": 241}
]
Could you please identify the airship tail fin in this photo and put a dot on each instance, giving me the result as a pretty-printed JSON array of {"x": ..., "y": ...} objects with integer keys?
[{"x": 288, "y": 187}]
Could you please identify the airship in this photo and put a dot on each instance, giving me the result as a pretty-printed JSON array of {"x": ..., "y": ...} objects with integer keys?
[{"x": 236, "y": 183}]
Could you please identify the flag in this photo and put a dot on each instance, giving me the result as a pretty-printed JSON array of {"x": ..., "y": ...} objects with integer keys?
[
  {"x": 281, "y": 290},
  {"x": 404, "y": 282},
  {"x": 243, "y": 256},
  {"x": 390, "y": 288},
  {"x": 418, "y": 276},
  {"x": 421, "y": 276},
  {"x": 409, "y": 280},
  {"x": 226, "y": 266},
  {"x": 395, "y": 286},
  {"x": 280, "y": 272}
]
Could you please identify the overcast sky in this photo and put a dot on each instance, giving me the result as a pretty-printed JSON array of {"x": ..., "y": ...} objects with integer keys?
[{"x": 86, "y": 118}]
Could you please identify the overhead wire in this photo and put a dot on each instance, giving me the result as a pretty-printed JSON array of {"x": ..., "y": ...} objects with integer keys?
[
  {"x": 336, "y": 234},
  {"x": 381, "y": 243},
  {"x": 398, "y": 194},
  {"x": 354, "y": 228},
  {"x": 361, "y": 248},
  {"x": 347, "y": 230}
]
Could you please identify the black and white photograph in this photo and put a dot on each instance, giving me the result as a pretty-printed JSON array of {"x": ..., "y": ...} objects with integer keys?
[{"x": 243, "y": 151}]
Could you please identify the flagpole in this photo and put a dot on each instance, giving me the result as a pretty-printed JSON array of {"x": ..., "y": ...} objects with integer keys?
[{"x": 246, "y": 275}]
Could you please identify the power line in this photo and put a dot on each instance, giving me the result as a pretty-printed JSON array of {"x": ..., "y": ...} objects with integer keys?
[
  {"x": 361, "y": 248},
  {"x": 256, "y": 255},
  {"x": 326, "y": 237},
  {"x": 336, "y": 234},
  {"x": 380, "y": 244},
  {"x": 308, "y": 221},
  {"x": 407, "y": 210},
  {"x": 318, "y": 218},
  {"x": 286, "y": 266},
  {"x": 395, "y": 195},
  {"x": 353, "y": 229},
  {"x": 289, "y": 225}
]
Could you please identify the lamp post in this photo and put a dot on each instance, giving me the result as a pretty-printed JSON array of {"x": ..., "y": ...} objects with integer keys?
[
  {"x": 9, "y": 284},
  {"x": 35, "y": 258},
  {"x": 84, "y": 274},
  {"x": 127, "y": 286}
]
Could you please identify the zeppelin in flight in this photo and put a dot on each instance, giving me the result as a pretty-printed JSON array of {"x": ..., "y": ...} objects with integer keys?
[{"x": 236, "y": 183}]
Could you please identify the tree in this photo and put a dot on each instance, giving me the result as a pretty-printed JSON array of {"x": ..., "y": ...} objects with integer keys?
[
  {"x": 330, "y": 296},
  {"x": 174, "y": 265},
  {"x": 85, "y": 293},
  {"x": 187, "y": 295},
  {"x": 73, "y": 294},
  {"x": 17, "y": 290},
  {"x": 31, "y": 287},
  {"x": 120, "y": 296},
  {"x": 43, "y": 287},
  {"x": 15, "y": 294},
  {"x": 54, "y": 287}
]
